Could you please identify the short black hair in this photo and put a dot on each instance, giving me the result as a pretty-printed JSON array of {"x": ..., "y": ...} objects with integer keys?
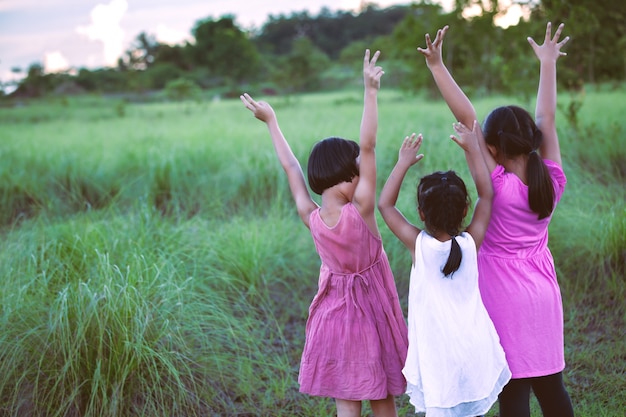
[{"x": 332, "y": 161}]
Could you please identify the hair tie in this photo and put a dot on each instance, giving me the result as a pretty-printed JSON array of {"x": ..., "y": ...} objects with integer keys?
[
  {"x": 534, "y": 151},
  {"x": 444, "y": 178}
]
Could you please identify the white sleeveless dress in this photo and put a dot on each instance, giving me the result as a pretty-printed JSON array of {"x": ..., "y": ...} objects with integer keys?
[{"x": 455, "y": 364}]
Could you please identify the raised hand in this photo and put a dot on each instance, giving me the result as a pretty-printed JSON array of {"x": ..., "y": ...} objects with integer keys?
[
  {"x": 432, "y": 52},
  {"x": 372, "y": 72},
  {"x": 408, "y": 154},
  {"x": 545, "y": 109},
  {"x": 397, "y": 223},
  {"x": 551, "y": 48},
  {"x": 261, "y": 109},
  {"x": 465, "y": 137}
]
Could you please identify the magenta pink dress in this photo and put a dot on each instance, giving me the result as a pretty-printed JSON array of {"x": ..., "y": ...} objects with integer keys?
[
  {"x": 518, "y": 281},
  {"x": 356, "y": 335}
]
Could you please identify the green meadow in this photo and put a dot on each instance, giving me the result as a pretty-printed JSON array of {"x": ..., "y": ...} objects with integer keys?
[{"x": 152, "y": 262}]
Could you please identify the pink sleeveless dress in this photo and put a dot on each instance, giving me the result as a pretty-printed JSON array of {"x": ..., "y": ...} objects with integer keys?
[
  {"x": 356, "y": 335},
  {"x": 517, "y": 278}
]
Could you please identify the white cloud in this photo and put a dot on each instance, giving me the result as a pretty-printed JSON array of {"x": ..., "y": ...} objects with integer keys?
[
  {"x": 105, "y": 27},
  {"x": 165, "y": 34},
  {"x": 55, "y": 62}
]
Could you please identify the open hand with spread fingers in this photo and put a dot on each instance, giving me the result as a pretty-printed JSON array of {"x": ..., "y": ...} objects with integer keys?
[{"x": 550, "y": 50}]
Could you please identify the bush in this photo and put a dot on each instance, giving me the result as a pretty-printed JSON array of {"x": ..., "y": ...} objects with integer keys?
[{"x": 182, "y": 89}]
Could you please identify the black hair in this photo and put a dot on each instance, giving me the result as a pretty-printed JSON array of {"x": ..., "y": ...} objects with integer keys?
[
  {"x": 512, "y": 131},
  {"x": 443, "y": 199},
  {"x": 332, "y": 161}
]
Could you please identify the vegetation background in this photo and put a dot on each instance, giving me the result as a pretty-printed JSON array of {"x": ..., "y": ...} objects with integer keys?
[
  {"x": 302, "y": 52},
  {"x": 153, "y": 264}
]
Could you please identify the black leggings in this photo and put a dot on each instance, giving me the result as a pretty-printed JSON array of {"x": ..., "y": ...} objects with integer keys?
[{"x": 514, "y": 400}]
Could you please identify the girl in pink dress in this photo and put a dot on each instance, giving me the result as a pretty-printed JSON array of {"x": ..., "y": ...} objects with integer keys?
[
  {"x": 356, "y": 336},
  {"x": 517, "y": 277}
]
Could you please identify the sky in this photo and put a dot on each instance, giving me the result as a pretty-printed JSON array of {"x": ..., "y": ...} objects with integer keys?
[{"x": 64, "y": 34}]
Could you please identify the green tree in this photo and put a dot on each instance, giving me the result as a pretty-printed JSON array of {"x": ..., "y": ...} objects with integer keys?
[
  {"x": 36, "y": 83},
  {"x": 408, "y": 35},
  {"x": 225, "y": 50},
  {"x": 182, "y": 89},
  {"x": 142, "y": 53},
  {"x": 175, "y": 55},
  {"x": 597, "y": 29},
  {"x": 301, "y": 70},
  {"x": 330, "y": 31},
  {"x": 159, "y": 74}
]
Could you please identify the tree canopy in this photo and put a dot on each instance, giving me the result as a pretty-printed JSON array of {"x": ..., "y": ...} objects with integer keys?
[{"x": 303, "y": 52}]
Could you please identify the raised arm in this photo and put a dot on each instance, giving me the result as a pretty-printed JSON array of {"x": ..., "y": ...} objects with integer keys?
[
  {"x": 457, "y": 101},
  {"x": 365, "y": 192},
  {"x": 264, "y": 112},
  {"x": 397, "y": 223},
  {"x": 545, "y": 111},
  {"x": 469, "y": 141}
]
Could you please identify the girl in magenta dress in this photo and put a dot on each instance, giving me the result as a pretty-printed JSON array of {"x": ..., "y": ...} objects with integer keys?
[
  {"x": 517, "y": 278},
  {"x": 356, "y": 336}
]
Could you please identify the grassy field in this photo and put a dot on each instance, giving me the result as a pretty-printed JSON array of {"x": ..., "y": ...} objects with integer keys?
[{"x": 153, "y": 264}]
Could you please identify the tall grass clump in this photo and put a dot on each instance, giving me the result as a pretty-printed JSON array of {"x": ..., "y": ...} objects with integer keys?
[
  {"x": 110, "y": 314},
  {"x": 594, "y": 155},
  {"x": 84, "y": 335}
]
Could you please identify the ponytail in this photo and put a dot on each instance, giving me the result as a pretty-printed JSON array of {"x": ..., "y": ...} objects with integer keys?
[
  {"x": 540, "y": 188},
  {"x": 454, "y": 259}
]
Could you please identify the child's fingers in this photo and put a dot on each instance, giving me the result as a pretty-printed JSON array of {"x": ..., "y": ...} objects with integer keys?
[
  {"x": 438, "y": 38},
  {"x": 412, "y": 141},
  {"x": 371, "y": 63},
  {"x": 548, "y": 32},
  {"x": 557, "y": 34},
  {"x": 441, "y": 33},
  {"x": 460, "y": 128},
  {"x": 415, "y": 140},
  {"x": 247, "y": 101},
  {"x": 429, "y": 43},
  {"x": 456, "y": 140},
  {"x": 563, "y": 42},
  {"x": 375, "y": 58}
]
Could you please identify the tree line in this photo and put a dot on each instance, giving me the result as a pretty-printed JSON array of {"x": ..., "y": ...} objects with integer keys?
[{"x": 301, "y": 52}]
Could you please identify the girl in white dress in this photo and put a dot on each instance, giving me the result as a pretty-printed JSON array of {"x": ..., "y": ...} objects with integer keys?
[{"x": 455, "y": 364}]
